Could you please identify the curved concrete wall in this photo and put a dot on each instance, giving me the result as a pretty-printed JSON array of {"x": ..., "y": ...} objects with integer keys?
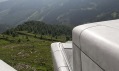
[{"x": 96, "y": 46}]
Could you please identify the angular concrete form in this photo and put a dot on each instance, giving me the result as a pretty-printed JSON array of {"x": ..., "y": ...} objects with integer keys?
[{"x": 5, "y": 67}]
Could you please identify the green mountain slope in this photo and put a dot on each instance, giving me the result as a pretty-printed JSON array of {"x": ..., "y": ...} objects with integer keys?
[
  {"x": 27, "y": 46},
  {"x": 37, "y": 27},
  {"x": 26, "y": 54}
]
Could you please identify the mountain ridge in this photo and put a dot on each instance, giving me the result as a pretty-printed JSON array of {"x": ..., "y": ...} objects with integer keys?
[{"x": 76, "y": 12}]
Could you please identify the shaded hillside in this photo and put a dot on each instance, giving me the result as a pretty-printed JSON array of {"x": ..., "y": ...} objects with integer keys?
[
  {"x": 3, "y": 27},
  {"x": 58, "y": 11},
  {"x": 71, "y": 12}
]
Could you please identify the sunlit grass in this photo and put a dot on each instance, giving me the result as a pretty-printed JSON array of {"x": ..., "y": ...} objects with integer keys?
[{"x": 27, "y": 55}]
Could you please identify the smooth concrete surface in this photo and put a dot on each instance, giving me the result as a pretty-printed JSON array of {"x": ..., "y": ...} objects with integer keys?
[
  {"x": 79, "y": 29},
  {"x": 99, "y": 41},
  {"x": 62, "y": 56},
  {"x": 88, "y": 64},
  {"x": 76, "y": 59},
  {"x": 54, "y": 63},
  {"x": 104, "y": 49},
  {"x": 69, "y": 52},
  {"x": 55, "y": 46},
  {"x": 5, "y": 67},
  {"x": 63, "y": 69},
  {"x": 58, "y": 58}
]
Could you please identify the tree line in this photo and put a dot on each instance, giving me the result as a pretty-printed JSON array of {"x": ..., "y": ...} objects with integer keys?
[{"x": 38, "y": 27}]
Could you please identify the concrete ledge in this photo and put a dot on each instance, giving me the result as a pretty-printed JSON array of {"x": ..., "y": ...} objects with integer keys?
[
  {"x": 60, "y": 59},
  {"x": 5, "y": 67}
]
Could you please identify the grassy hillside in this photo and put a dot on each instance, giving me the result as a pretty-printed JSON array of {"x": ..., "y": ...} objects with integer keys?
[
  {"x": 29, "y": 51},
  {"x": 26, "y": 52}
]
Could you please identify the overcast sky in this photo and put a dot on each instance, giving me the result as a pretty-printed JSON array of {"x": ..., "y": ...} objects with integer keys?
[{"x": 2, "y": 0}]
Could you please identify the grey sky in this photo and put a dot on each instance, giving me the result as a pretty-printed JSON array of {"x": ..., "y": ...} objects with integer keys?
[{"x": 2, "y": 0}]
